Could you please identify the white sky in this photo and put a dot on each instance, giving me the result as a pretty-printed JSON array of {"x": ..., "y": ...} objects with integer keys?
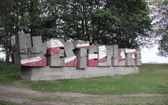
[
  {"x": 148, "y": 56},
  {"x": 1, "y": 53}
]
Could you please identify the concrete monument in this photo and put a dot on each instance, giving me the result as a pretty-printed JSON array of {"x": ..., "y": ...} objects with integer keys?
[{"x": 55, "y": 59}]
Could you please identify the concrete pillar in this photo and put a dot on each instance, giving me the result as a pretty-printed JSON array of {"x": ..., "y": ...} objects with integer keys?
[
  {"x": 15, "y": 51},
  {"x": 81, "y": 57},
  {"x": 26, "y": 51},
  {"x": 71, "y": 59},
  {"x": 35, "y": 53},
  {"x": 55, "y": 52},
  {"x": 121, "y": 58},
  {"x": 55, "y": 60},
  {"x": 102, "y": 56},
  {"x": 130, "y": 57},
  {"x": 54, "y": 46},
  {"x": 138, "y": 58},
  {"x": 115, "y": 55},
  {"x": 37, "y": 44},
  {"x": 69, "y": 47},
  {"x": 81, "y": 48},
  {"x": 109, "y": 55},
  {"x": 23, "y": 43},
  {"x": 44, "y": 48}
]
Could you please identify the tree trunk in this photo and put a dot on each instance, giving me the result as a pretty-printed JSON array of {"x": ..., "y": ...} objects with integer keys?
[
  {"x": 7, "y": 57},
  {"x": 12, "y": 58}
]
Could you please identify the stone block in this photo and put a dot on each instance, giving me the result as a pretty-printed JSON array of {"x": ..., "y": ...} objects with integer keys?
[
  {"x": 121, "y": 57},
  {"x": 15, "y": 52},
  {"x": 35, "y": 62},
  {"x": 55, "y": 52},
  {"x": 26, "y": 72},
  {"x": 70, "y": 61},
  {"x": 54, "y": 46},
  {"x": 109, "y": 55},
  {"x": 62, "y": 52},
  {"x": 23, "y": 44},
  {"x": 44, "y": 48},
  {"x": 130, "y": 57},
  {"x": 82, "y": 64},
  {"x": 37, "y": 44},
  {"x": 93, "y": 56},
  {"x": 102, "y": 56},
  {"x": 56, "y": 73},
  {"x": 69, "y": 47},
  {"x": 81, "y": 57},
  {"x": 55, "y": 60},
  {"x": 27, "y": 51},
  {"x": 24, "y": 56},
  {"x": 138, "y": 58},
  {"x": 115, "y": 55}
]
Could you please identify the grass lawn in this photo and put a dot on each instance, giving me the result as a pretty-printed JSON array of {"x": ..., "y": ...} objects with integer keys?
[
  {"x": 8, "y": 103},
  {"x": 153, "y": 79},
  {"x": 9, "y": 74}
]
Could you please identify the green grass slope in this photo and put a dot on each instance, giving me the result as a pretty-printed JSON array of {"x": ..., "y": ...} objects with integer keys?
[{"x": 153, "y": 79}]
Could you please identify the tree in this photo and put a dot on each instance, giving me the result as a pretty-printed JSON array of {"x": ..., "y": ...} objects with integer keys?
[
  {"x": 18, "y": 15},
  {"x": 163, "y": 43},
  {"x": 122, "y": 22},
  {"x": 160, "y": 25},
  {"x": 159, "y": 15},
  {"x": 9, "y": 23}
]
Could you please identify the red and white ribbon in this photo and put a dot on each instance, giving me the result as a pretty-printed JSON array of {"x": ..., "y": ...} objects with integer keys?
[
  {"x": 121, "y": 56},
  {"x": 35, "y": 61},
  {"x": 53, "y": 46},
  {"x": 71, "y": 61},
  {"x": 93, "y": 60},
  {"x": 131, "y": 51},
  {"x": 102, "y": 54}
]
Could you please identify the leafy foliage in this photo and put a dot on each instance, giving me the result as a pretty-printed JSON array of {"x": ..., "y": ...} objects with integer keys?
[
  {"x": 163, "y": 45},
  {"x": 9, "y": 23},
  {"x": 163, "y": 49},
  {"x": 107, "y": 22},
  {"x": 160, "y": 25},
  {"x": 122, "y": 22}
]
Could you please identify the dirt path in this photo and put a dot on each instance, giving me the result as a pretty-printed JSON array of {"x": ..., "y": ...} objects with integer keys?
[
  {"x": 25, "y": 96},
  {"x": 30, "y": 97}
]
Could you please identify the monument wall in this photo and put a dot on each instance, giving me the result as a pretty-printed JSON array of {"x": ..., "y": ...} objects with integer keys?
[{"x": 55, "y": 59}]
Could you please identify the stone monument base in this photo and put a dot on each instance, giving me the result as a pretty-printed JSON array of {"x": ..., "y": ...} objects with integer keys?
[{"x": 56, "y": 73}]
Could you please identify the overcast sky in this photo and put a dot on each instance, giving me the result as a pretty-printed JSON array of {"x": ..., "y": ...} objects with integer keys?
[{"x": 149, "y": 55}]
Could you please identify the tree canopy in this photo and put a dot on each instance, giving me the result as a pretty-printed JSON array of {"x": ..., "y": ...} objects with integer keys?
[
  {"x": 163, "y": 43},
  {"x": 160, "y": 25},
  {"x": 122, "y": 22}
]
